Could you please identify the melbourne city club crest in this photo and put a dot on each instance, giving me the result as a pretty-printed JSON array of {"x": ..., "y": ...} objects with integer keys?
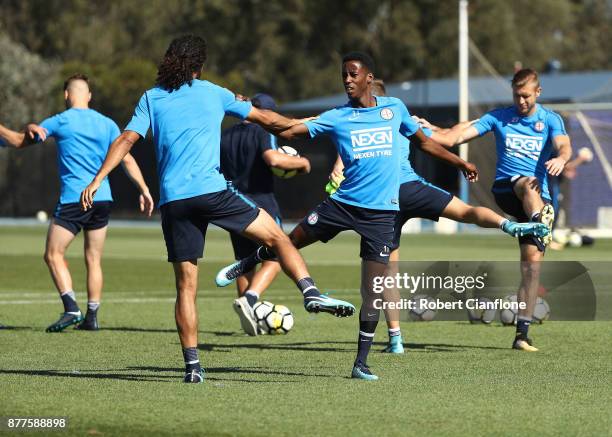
[
  {"x": 539, "y": 126},
  {"x": 386, "y": 114},
  {"x": 313, "y": 218}
]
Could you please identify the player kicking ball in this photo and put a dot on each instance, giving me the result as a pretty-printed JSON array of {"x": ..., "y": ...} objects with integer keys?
[
  {"x": 525, "y": 135},
  {"x": 419, "y": 198},
  {"x": 248, "y": 155},
  {"x": 185, "y": 115},
  {"x": 366, "y": 133}
]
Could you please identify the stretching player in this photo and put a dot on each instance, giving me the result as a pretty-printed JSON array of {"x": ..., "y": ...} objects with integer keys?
[
  {"x": 419, "y": 198},
  {"x": 366, "y": 133},
  {"x": 185, "y": 115},
  {"x": 247, "y": 154},
  {"x": 83, "y": 137},
  {"x": 525, "y": 134}
]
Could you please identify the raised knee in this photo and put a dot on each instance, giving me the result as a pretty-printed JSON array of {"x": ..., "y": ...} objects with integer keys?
[
  {"x": 276, "y": 238},
  {"x": 533, "y": 184}
]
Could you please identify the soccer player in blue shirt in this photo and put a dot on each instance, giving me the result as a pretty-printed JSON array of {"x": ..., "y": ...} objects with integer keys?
[
  {"x": 419, "y": 198},
  {"x": 184, "y": 114},
  {"x": 366, "y": 133},
  {"x": 248, "y": 153},
  {"x": 525, "y": 135},
  {"x": 83, "y": 137}
]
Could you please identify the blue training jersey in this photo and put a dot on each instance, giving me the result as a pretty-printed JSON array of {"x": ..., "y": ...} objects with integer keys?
[
  {"x": 83, "y": 137},
  {"x": 186, "y": 127},
  {"x": 407, "y": 173},
  {"x": 523, "y": 144},
  {"x": 368, "y": 142}
]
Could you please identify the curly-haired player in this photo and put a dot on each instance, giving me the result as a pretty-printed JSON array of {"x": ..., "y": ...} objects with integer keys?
[{"x": 184, "y": 114}]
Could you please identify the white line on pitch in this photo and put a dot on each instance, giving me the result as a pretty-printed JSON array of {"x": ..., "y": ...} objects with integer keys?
[{"x": 55, "y": 301}]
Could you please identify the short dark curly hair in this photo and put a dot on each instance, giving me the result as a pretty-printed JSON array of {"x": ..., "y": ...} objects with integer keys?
[
  {"x": 361, "y": 57},
  {"x": 185, "y": 55}
]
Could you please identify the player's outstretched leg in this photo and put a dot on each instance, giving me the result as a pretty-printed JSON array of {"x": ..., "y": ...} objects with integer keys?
[
  {"x": 515, "y": 229},
  {"x": 231, "y": 272},
  {"x": 460, "y": 211},
  {"x": 58, "y": 240},
  {"x": 276, "y": 245}
]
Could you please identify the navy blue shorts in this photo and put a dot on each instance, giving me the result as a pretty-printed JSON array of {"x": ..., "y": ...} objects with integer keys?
[
  {"x": 373, "y": 225},
  {"x": 419, "y": 199},
  {"x": 185, "y": 221},
  {"x": 70, "y": 216},
  {"x": 243, "y": 246},
  {"x": 507, "y": 200}
]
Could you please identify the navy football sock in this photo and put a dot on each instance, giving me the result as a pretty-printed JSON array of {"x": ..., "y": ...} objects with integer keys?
[
  {"x": 367, "y": 328},
  {"x": 192, "y": 362},
  {"x": 262, "y": 253},
  {"x": 308, "y": 288},
  {"x": 69, "y": 301},
  {"x": 251, "y": 297},
  {"x": 522, "y": 327}
]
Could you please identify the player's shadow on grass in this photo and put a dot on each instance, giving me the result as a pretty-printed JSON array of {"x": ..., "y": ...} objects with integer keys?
[
  {"x": 316, "y": 346},
  {"x": 86, "y": 375},
  {"x": 17, "y": 328},
  {"x": 252, "y": 370},
  {"x": 131, "y": 329},
  {"x": 169, "y": 331},
  {"x": 442, "y": 347},
  {"x": 311, "y": 346}
]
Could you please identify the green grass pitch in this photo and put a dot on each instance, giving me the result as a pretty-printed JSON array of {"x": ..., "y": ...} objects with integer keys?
[{"x": 455, "y": 379}]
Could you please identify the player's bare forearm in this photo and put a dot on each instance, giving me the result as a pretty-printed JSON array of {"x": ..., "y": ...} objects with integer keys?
[
  {"x": 13, "y": 138},
  {"x": 271, "y": 121},
  {"x": 424, "y": 123},
  {"x": 274, "y": 158},
  {"x": 132, "y": 170},
  {"x": 338, "y": 169},
  {"x": 294, "y": 132},
  {"x": 434, "y": 149},
  {"x": 555, "y": 166},
  {"x": 116, "y": 152},
  {"x": 564, "y": 148},
  {"x": 460, "y": 133}
]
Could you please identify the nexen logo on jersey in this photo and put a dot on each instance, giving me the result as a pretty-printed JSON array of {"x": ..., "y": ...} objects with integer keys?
[
  {"x": 524, "y": 146},
  {"x": 373, "y": 142}
]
